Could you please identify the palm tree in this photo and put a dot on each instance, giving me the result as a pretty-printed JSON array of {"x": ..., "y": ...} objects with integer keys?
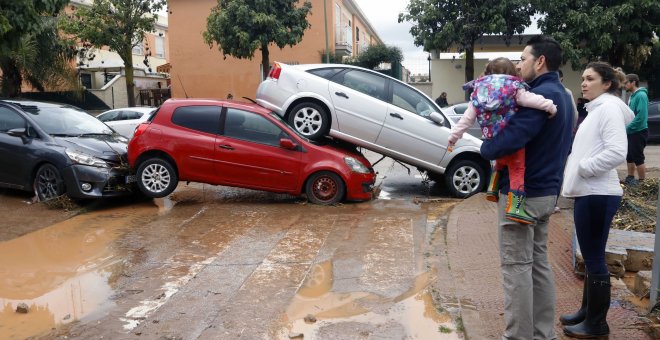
[{"x": 42, "y": 59}]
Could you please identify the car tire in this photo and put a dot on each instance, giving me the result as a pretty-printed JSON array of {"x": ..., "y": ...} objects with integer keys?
[
  {"x": 156, "y": 178},
  {"x": 310, "y": 120},
  {"x": 465, "y": 178},
  {"x": 48, "y": 183},
  {"x": 325, "y": 188}
]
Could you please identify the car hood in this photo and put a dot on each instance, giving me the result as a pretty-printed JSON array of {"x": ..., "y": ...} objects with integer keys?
[
  {"x": 106, "y": 147},
  {"x": 340, "y": 149}
]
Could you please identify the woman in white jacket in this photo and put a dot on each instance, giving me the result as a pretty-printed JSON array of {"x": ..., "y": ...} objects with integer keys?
[{"x": 590, "y": 177}]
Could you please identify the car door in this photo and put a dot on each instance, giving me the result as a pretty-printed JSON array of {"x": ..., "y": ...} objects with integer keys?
[
  {"x": 17, "y": 156},
  {"x": 129, "y": 120},
  {"x": 192, "y": 141},
  {"x": 408, "y": 132},
  {"x": 359, "y": 98},
  {"x": 248, "y": 153}
]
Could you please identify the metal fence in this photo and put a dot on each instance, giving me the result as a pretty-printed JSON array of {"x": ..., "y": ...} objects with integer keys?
[{"x": 154, "y": 97}]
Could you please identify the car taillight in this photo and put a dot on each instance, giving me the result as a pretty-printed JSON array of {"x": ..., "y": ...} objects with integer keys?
[
  {"x": 275, "y": 71},
  {"x": 140, "y": 129}
]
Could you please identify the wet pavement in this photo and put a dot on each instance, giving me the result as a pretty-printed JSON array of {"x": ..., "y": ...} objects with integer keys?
[
  {"x": 216, "y": 262},
  {"x": 223, "y": 263}
]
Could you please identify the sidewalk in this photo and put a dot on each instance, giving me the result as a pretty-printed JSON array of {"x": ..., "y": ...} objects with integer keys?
[{"x": 472, "y": 244}]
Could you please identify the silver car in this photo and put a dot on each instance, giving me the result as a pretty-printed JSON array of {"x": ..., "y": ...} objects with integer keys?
[
  {"x": 455, "y": 113},
  {"x": 376, "y": 112}
]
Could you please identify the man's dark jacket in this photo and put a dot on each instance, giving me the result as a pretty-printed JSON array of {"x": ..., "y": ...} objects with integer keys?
[{"x": 546, "y": 140}]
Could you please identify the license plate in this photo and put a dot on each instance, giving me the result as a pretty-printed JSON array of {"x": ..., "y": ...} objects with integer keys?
[{"x": 131, "y": 178}]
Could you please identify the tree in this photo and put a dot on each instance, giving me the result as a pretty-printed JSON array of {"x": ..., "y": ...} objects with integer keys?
[
  {"x": 374, "y": 55},
  {"x": 619, "y": 32},
  {"x": 30, "y": 47},
  {"x": 457, "y": 24},
  {"x": 117, "y": 24},
  {"x": 240, "y": 27}
]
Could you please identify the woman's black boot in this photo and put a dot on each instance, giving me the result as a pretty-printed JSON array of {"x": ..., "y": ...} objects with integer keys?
[
  {"x": 594, "y": 325},
  {"x": 577, "y": 317}
]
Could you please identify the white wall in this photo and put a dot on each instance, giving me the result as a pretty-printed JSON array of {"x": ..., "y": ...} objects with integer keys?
[{"x": 448, "y": 76}]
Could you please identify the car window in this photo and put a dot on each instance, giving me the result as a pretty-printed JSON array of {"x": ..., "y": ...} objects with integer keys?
[
  {"x": 9, "y": 119},
  {"x": 200, "y": 118},
  {"x": 367, "y": 83},
  {"x": 411, "y": 100},
  {"x": 326, "y": 73},
  {"x": 460, "y": 108},
  {"x": 133, "y": 114},
  {"x": 110, "y": 116},
  {"x": 64, "y": 120},
  {"x": 252, "y": 127}
]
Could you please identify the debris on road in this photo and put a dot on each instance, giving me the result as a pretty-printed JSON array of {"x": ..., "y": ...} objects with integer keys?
[
  {"x": 22, "y": 308},
  {"x": 639, "y": 206}
]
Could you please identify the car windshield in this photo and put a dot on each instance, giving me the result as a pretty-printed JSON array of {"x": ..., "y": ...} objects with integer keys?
[{"x": 66, "y": 120}]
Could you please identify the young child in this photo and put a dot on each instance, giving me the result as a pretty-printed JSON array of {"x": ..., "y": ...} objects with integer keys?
[{"x": 493, "y": 102}]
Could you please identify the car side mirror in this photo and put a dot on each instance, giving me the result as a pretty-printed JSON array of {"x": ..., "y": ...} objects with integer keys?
[
  {"x": 287, "y": 144},
  {"x": 19, "y": 132},
  {"x": 437, "y": 118}
]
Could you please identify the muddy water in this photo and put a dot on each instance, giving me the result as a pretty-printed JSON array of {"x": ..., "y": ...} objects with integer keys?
[
  {"x": 62, "y": 272},
  {"x": 414, "y": 310}
]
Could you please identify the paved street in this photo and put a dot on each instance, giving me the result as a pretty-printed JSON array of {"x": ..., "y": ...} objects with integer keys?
[{"x": 216, "y": 262}]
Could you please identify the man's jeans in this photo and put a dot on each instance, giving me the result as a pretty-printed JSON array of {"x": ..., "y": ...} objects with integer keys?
[{"x": 529, "y": 289}]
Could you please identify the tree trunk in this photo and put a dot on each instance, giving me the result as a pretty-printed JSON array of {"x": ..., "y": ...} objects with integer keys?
[
  {"x": 265, "y": 61},
  {"x": 130, "y": 84},
  {"x": 11, "y": 78},
  {"x": 469, "y": 67}
]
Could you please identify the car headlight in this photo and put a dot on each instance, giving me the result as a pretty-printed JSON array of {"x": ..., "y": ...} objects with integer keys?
[
  {"x": 84, "y": 159},
  {"x": 356, "y": 165}
]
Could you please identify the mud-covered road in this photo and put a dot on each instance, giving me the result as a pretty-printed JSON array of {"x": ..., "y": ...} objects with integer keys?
[{"x": 223, "y": 263}]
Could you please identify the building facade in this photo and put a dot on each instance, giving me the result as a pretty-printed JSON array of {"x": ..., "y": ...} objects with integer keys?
[
  {"x": 200, "y": 71},
  {"x": 101, "y": 71}
]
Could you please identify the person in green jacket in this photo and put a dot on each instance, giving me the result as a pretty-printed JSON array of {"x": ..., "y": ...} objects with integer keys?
[{"x": 637, "y": 130}]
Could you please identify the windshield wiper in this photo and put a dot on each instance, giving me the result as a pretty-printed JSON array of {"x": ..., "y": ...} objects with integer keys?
[
  {"x": 94, "y": 134},
  {"x": 64, "y": 135}
]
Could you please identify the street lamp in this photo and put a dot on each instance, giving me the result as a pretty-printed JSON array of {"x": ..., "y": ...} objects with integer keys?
[{"x": 429, "y": 59}]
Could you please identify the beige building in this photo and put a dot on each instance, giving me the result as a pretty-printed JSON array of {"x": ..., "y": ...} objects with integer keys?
[
  {"x": 200, "y": 71},
  {"x": 448, "y": 69}
]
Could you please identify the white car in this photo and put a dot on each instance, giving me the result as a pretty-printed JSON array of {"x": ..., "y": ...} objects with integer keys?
[
  {"x": 125, "y": 120},
  {"x": 376, "y": 112},
  {"x": 455, "y": 113}
]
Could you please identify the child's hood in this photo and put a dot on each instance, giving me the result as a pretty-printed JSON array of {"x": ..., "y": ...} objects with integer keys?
[{"x": 494, "y": 90}]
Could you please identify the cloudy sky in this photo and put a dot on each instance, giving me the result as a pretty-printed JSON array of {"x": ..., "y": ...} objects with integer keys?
[{"x": 384, "y": 16}]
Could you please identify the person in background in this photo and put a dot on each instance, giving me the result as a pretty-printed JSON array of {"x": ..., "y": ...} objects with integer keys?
[
  {"x": 494, "y": 100},
  {"x": 442, "y": 100},
  {"x": 637, "y": 130},
  {"x": 582, "y": 112},
  {"x": 575, "y": 110},
  {"x": 591, "y": 179},
  {"x": 528, "y": 281},
  {"x": 575, "y": 119}
]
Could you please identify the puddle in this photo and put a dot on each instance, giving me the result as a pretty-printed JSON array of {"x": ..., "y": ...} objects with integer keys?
[
  {"x": 61, "y": 272},
  {"x": 413, "y": 310}
]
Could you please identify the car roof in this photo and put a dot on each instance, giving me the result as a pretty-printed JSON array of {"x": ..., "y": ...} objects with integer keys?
[
  {"x": 224, "y": 102},
  {"x": 42, "y": 104},
  {"x": 145, "y": 109}
]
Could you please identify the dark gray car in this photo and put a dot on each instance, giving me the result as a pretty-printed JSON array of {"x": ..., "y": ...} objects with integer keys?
[{"x": 52, "y": 149}]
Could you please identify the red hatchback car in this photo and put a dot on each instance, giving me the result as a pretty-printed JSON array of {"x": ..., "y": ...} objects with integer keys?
[{"x": 241, "y": 145}]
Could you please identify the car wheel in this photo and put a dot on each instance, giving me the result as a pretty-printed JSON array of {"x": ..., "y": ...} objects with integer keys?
[
  {"x": 465, "y": 178},
  {"x": 310, "y": 120},
  {"x": 156, "y": 178},
  {"x": 325, "y": 188},
  {"x": 48, "y": 183}
]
